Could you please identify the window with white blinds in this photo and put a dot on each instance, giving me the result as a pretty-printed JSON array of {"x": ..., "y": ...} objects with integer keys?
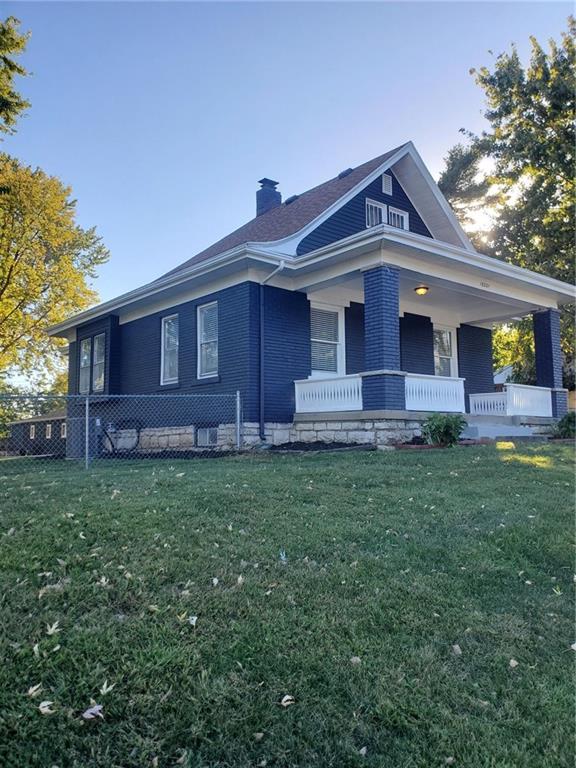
[
  {"x": 325, "y": 340},
  {"x": 208, "y": 340},
  {"x": 375, "y": 213},
  {"x": 398, "y": 218},
  {"x": 169, "y": 356},
  {"x": 386, "y": 184}
]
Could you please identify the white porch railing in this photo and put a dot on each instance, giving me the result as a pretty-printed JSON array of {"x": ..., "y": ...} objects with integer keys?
[
  {"x": 341, "y": 393},
  {"x": 434, "y": 393},
  {"x": 515, "y": 400}
]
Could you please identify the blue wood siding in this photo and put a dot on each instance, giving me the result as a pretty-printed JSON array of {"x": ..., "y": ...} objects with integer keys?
[
  {"x": 417, "y": 344},
  {"x": 354, "y": 325},
  {"x": 351, "y": 218},
  {"x": 475, "y": 360},
  {"x": 286, "y": 350}
]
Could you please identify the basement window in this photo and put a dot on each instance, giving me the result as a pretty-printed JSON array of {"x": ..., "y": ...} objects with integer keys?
[
  {"x": 375, "y": 213},
  {"x": 206, "y": 436}
]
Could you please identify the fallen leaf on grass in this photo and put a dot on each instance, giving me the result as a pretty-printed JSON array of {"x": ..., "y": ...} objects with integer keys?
[
  {"x": 192, "y": 620},
  {"x": 105, "y": 688},
  {"x": 513, "y": 663},
  {"x": 258, "y": 736},
  {"x": 457, "y": 650},
  {"x": 34, "y": 690},
  {"x": 45, "y": 708},
  {"x": 215, "y": 582},
  {"x": 95, "y": 710},
  {"x": 287, "y": 701},
  {"x": 52, "y": 629},
  {"x": 362, "y": 752},
  {"x": 355, "y": 660}
]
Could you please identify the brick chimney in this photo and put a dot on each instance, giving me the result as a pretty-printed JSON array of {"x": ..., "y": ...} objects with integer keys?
[{"x": 267, "y": 197}]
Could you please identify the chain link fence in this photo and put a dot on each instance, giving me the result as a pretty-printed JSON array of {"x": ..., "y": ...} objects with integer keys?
[{"x": 84, "y": 431}]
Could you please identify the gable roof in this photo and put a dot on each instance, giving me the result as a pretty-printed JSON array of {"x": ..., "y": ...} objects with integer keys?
[{"x": 289, "y": 218}]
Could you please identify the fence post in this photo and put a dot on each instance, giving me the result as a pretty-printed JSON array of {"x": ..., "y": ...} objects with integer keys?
[
  {"x": 87, "y": 433},
  {"x": 238, "y": 418}
]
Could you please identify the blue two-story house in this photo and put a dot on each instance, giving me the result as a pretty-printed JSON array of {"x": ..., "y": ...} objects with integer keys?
[{"x": 348, "y": 312}]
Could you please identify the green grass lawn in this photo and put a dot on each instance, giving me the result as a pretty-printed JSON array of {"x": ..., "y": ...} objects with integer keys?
[{"x": 411, "y": 581}]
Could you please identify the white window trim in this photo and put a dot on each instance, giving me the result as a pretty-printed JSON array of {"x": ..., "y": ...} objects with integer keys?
[
  {"x": 385, "y": 177},
  {"x": 48, "y": 432},
  {"x": 454, "y": 358},
  {"x": 199, "y": 373},
  {"x": 383, "y": 207},
  {"x": 63, "y": 430},
  {"x": 164, "y": 381},
  {"x": 32, "y": 432},
  {"x": 404, "y": 214},
  {"x": 341, "y": 347},
  {"x": 84, "y": 367}
]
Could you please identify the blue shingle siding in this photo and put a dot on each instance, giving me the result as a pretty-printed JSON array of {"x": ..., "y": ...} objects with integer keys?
[
  {"x": 72, "y": 368},
  {"x": 548, "y": 353},
  {"x": 381, "y": 320},
  {"x": 383, "y": 391},
  {"x": 475, "y": 360},
  {"x": 354, "y": 325},
  {"x": 417, "y": 344},
  {"x": 286, "y": 350},
  {"x": 351, "y": 217}
]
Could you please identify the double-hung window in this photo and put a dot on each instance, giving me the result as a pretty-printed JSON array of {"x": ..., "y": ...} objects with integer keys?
[
  {"x": 445, "y": 355},
  {"x": 208, "y": 340},
  {"x": 48, "y": 431},
  {"x": 375, "y": 213},
  {"x": 32, "y": 431},
  {"x": 326, "y": 332},
  {"x": 63, "y": 430},
  {"x": 92, "y": 356},
  {"x": 169, "y": 354}
]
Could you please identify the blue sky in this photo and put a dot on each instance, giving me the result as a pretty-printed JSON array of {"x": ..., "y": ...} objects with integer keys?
[{"x": 162, "y": 116}]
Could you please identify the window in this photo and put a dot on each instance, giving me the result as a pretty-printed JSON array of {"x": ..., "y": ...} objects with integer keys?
[
  {"x": 326, "y": 333},
  {"x": 92, "y": 356},
  {"x": 208, "y": 340},
  {"x": 169, "y": 350},
  {"x": 386, "y": 184},
  {"x": 375, "y": 213},
  {"x": 445, "y": 360},
  {"x": 85, "y": 362},
  {"x": 63, "y": 430},
  {"x": 98, "y": 363},
  {"x": 206, "y": 436},
  {"x": 48, "y": 431},
  {"x": 398, "y": 218},
  {"x": 32, "y": 431}
]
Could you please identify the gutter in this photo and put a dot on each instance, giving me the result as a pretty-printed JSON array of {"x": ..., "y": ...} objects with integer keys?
[{"x": 262, "y": 360}]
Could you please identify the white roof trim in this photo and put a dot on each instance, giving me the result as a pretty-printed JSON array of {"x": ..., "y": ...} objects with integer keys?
[{"x": 290, "y": 242}]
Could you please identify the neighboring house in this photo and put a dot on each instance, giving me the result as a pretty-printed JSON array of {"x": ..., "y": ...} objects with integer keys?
[
  {"x": 38, "y": 435},
  {"x": 347, "y": 312}
]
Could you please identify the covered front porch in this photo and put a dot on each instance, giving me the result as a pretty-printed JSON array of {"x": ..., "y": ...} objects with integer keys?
[{"x": 392, "y": 338}]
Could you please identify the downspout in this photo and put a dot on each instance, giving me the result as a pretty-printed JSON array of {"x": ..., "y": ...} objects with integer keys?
[{"x": 274, "y": 272}]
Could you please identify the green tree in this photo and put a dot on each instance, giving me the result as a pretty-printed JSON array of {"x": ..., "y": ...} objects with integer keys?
[
  {"x": 45, "y": 265},
  {"x": 12, "y": 44},
  {"x": 521, "y": 171}
]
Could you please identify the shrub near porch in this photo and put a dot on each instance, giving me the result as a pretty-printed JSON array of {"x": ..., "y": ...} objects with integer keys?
[{"x": 422, "y": 615}]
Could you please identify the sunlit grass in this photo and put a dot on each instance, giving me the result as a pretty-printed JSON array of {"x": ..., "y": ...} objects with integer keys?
[{"x": 411, "y": 582}]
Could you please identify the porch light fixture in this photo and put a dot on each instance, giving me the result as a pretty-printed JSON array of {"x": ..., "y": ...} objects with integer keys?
[{"x": 422, "y": 290}]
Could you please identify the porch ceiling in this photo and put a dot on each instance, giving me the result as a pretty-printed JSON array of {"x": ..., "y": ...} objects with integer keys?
[{"x": 446, "y": 302}]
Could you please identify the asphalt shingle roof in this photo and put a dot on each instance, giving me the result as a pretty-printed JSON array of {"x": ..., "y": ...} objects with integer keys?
[{"x": 287, "y": 219}]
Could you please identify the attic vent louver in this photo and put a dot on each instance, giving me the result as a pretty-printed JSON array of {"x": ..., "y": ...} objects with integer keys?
[
  {"x": 345, "y": 172},
  {"x": 291, "y": 199}
]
